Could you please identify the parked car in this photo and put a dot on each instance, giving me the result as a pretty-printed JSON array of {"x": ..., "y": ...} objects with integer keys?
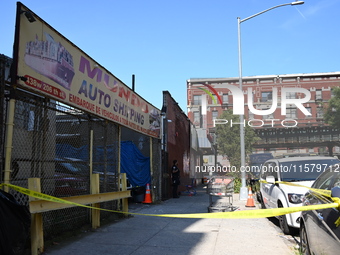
[
  {"x": 289, "y": 155},
  {"x": 109, "y": 179},
  {"x": 71, "y": 177},
  {"x": 319, "y": 232},
  {"x": 256, "y": 160},
  {"x": 295, "y": 170}
]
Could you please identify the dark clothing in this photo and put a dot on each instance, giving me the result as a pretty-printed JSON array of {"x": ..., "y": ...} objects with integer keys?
[
  {"x": 175, "y": 172},
  {"x": 175, "y": 180},
  {"x": 174, "y": 191}
]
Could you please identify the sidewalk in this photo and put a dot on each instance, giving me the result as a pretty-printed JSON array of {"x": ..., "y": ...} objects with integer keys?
[{"x": 145, "y": 235}]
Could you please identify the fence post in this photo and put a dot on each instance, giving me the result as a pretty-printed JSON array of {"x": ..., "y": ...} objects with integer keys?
[
  {"x": 37, "y": 232},
  {"x": 9, "y": 141},
  {"x": 153, "y": 195},
  {"x": 125, "y": 202},
  {"x": 95, "y": 214}
]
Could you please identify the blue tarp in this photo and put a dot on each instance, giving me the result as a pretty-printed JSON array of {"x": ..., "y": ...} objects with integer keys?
[
  {"x": 64, "y": 150},
  {"x": 133, "y": 162}
]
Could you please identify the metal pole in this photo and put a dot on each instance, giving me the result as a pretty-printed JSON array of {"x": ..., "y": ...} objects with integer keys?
[
  {"x": 259, "y": 13},
  {"x": 243, "y": 190},
  {"x": 133, "y": 82},
  {"x": 91, "y": 152},
  {"x": 9, "y": 142}
]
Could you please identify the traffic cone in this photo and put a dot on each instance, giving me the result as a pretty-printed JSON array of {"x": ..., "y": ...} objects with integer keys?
[
  {"x": 250, "y": 200},
  {"x": 147, "y": 199}
]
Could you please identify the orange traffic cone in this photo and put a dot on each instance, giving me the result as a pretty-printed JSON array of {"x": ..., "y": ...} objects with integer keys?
[
  {"x": 147, "y": 199},
  {"x": 250, "y": 200}
]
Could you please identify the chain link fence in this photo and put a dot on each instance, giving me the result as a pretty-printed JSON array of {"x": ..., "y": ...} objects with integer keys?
[{"x": 54, "y": 142}]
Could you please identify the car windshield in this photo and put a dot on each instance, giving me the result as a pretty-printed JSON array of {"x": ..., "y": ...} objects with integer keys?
[
  {"x": 71, "y": 168},
  {"x": 305, "y": 170}
]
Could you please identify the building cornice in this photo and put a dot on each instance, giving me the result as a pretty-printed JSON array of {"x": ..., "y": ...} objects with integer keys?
[{"x": 262, "y": 77}]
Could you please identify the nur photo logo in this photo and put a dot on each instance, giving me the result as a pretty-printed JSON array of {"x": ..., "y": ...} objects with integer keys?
[{"x": 284, "y": 103}]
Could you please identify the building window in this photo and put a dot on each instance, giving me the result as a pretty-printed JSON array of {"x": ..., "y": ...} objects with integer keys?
[
  {"x": 290, "y": 95},
  {"x": 197, "y": 119},
  {"x": 214, "y": 101},
  {"x": 214, "y": 115},
  {"x": 309, "y": 109},
  {"x": 225, "y": 98},
  {"x": 197, "y": 99},
  {"x": 269, "y": 116},
  {"x": 319, "y": 112},
  {"x": 266, "y": 96},
  {"x": 291, "y": 113},
  {"x": 318, "y": 94}
]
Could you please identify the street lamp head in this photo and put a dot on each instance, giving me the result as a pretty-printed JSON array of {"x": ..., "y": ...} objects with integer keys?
[{"x": 297, "y": 3}]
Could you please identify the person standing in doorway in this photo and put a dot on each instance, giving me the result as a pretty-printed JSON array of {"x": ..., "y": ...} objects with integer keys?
[{"x": 175, "y": 178}]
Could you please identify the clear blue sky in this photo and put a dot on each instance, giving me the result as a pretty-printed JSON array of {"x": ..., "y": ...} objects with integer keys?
[{"x": 164, "y": 43}]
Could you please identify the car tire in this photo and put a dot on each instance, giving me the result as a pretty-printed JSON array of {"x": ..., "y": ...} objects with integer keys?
[
  {"x": 263, "y": 206},
  {"x": 284, "y": 225},
  {"x": 304, "y": 245},
  {"x": 258, "y": 197},
  {"x": 287, "y": 230}
]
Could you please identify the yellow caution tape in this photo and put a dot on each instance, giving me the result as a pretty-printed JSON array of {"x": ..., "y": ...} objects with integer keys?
[
  {"x": 261, "y": 213},
  {"x": 250, "y": 214},
  {"x": 337, "y": 222},
  {"x": 323, "y": 192},
  {"x": 318, "y": 192},
  {"x": 46, "y": 197}
]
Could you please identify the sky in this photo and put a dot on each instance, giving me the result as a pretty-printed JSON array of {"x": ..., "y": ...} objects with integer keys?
[{"x": 165, "y": 43}]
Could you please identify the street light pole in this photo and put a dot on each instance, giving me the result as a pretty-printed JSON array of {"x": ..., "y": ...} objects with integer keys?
[{"x": 243, "y": 191}]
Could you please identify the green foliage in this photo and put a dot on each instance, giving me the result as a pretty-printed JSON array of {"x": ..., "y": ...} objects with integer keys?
[
  {"x": 237, "y": 184},
  {"x": 332, "y": 114},
  {"x": 237, "y": 181},
  {"x": 228, "y": 138}
]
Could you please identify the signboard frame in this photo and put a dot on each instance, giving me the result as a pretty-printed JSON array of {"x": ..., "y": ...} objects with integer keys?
[{"x": 48, "y": 64}]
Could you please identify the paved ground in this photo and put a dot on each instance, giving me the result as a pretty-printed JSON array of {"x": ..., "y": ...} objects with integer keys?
[{"x": 145, "y": 235}]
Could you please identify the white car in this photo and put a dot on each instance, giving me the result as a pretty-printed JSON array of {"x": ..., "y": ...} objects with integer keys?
[{"x": 295, "y": 170}]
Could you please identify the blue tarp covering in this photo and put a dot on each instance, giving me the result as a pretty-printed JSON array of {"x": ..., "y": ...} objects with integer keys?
[
  {"x": 133, "y": 162},
  {"x": 65, "y": 150}
]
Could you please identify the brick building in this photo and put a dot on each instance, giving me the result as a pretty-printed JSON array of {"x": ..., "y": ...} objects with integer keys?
[
  {"x": 208, "y": 98},
  {"x": 179, "y": 141}
]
